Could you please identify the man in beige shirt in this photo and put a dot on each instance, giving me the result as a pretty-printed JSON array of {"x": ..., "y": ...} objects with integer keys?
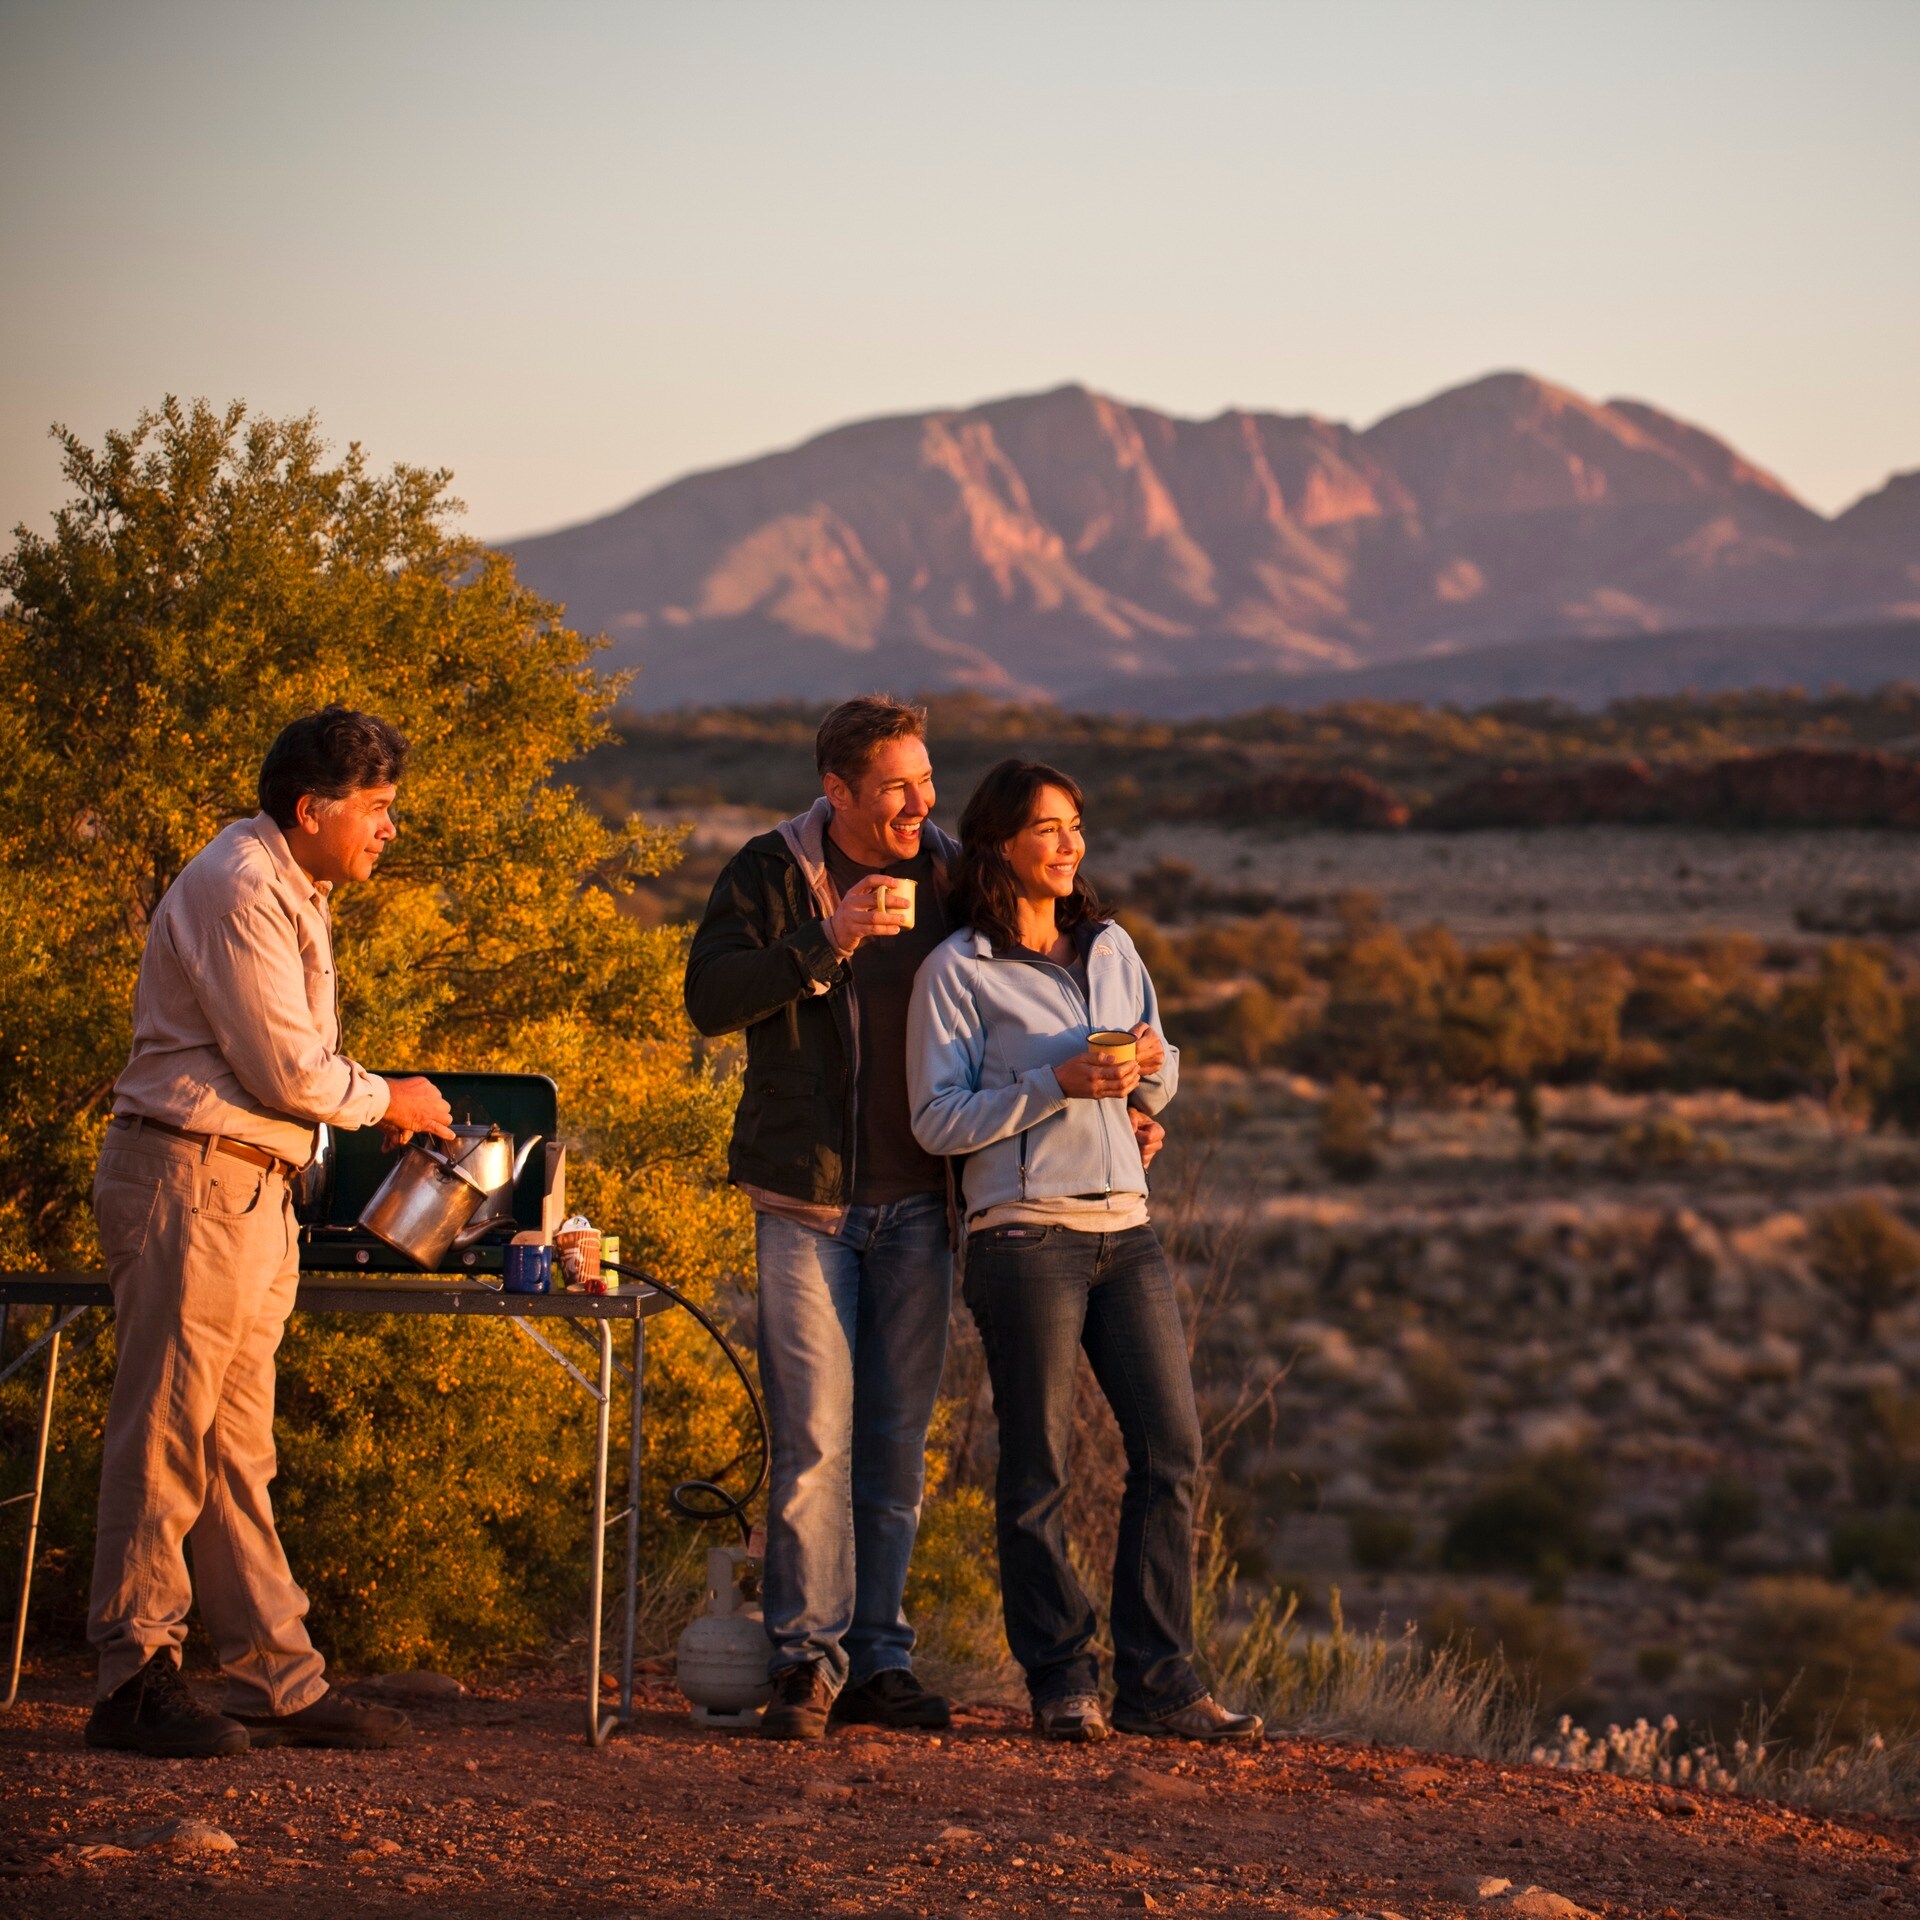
[{"x": 235, "y": 1063}]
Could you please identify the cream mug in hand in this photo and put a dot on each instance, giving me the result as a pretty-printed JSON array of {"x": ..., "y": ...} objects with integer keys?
[
  {"x": 1114, "y": 1047},
  {"x": 894, "y": 898}
]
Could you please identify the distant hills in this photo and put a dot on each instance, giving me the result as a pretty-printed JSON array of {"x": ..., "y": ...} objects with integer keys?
[{"x": 1069, "y": 546}]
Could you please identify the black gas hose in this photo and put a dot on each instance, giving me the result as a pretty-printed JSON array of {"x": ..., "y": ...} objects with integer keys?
[{"x": 717, "y": 1502}]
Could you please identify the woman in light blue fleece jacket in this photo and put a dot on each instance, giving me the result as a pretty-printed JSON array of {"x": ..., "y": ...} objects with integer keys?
[{"x": 1061, "y": 1252}]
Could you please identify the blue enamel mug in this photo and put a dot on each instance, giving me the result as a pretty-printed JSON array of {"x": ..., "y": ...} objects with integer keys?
[{"x": 528, "y": 1269}]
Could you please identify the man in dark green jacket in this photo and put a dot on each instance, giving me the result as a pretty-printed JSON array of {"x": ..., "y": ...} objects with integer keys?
[{"x": 810, "y": 943}]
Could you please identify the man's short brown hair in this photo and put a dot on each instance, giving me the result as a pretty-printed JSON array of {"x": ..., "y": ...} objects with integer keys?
[{"x": 857, "y": 729}]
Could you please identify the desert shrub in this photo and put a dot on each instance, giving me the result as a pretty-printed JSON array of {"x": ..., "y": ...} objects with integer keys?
[
  {"x": 1161, "y": 957},
  {"x": 1897, "y": 1097},
  {"x": 1535, "y": 1518},
  {"x": 1248, "y": 1028},
  {"x": 1409, "y": 1445},
  {"x": 1870, "y": 1774},
  {"x": 1403, "y": 1692},
  {"x": 1840, "y": 1031},
  {"x": 1548, "y": 1661},
  {"x": 1867, "y": 1255},
  {"x": 1437, "y": 1387},
  {"x": 1810, "y": 1479},
  {"x": 1346, "y": 1141},
  {"x": 1726, "y": 1509},
  {"x": 1381, "y": 1541},
  {"x": 1884, "y": 1459},
  {"x": 1885, "y": 1547},
  {"x": 1829, "y": 1665},
  {"x": 1657, "y": 1664},
  {"x": 1663, "y": 1140}
]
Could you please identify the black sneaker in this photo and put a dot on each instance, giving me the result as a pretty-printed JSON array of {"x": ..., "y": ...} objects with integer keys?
[
  {"x": 893, "y": 1698},
  {"x": 800, "y": 1703},
  {"x": 331, "y": 1721},
  {"x": 155, "y": 1713}
]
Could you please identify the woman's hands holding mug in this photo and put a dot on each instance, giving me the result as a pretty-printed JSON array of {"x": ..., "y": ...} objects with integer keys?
[
  {"x": 1150, "y": 1050},
  {"x": 1097, "y": 1076}
]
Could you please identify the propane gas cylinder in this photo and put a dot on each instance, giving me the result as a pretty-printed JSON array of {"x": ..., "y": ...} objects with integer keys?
[{"x": 722, "y": 1655}]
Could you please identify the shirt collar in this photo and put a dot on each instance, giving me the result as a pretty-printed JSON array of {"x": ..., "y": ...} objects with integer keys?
[{"x": 268, "y": 831}]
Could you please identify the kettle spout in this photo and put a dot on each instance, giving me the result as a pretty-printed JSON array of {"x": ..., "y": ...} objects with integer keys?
[{"x": 520, "y": 1159}]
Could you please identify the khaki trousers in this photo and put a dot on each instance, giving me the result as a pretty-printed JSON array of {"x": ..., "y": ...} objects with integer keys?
[{"x": 203, "y": 1257}]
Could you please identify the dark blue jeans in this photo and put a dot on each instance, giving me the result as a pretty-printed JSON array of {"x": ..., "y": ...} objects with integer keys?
[{"x": 1039, "y": 1295}]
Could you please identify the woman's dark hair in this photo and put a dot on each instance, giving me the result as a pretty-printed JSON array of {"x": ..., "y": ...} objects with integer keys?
[
  {"x": 329, "y": 754},
  {"x": 983, "y": 884}
]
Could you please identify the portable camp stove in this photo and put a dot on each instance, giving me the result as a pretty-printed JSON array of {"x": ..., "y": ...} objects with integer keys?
[{"x": 355, "y": 1163}]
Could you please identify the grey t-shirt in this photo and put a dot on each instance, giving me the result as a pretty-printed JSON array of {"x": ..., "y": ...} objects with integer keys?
[{"x": 889, "y": 1164}]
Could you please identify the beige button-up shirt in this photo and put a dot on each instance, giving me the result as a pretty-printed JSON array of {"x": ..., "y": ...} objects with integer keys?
[{"x": 236, "y": 1027}]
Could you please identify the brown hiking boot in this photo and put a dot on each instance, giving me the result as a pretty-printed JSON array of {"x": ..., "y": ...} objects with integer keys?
[
  {"x": 1205, "y": 1719},
  {"x": 331, "y": 1721},
  {"x": 156, "y": 1713},
  {"x": 801, "y": 1701},
  {"x": 1075, "y": 1717}
]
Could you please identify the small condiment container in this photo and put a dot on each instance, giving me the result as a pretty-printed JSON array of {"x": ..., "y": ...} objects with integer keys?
[{"x": 576, "y": 1247}]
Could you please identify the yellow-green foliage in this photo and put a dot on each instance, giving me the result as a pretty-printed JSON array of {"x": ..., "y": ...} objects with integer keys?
[{"x": 212, "y": 577}]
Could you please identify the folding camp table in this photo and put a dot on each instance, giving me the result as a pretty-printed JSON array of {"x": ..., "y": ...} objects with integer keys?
[{"x": 72, "y": 1294}]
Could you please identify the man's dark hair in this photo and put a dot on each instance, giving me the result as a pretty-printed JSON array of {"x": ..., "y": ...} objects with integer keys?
[
  {"x": 983, "y": 883},
  {"x": 329, "y": 754},
  {"x": 857, "y": 729}
]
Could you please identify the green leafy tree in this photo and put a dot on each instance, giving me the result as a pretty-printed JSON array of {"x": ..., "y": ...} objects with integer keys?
[{"x": 213, "y": 575}]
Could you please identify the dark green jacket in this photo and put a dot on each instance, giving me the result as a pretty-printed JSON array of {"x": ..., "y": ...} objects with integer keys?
[{"x": 763, "y": 961}]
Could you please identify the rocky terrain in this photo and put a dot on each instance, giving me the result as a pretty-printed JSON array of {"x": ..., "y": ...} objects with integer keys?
[
  {"x": 501, "y": 1808},
  {"x": 1630, "y": 1291},
  {"x": 1071, "y": 545}
]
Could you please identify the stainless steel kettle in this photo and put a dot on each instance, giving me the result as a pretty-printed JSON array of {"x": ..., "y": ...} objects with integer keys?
[
  {"x": 494, "y": 1160},
  {"x": 422, "y": 1204},
  {"x": 436, "y": 1199}
]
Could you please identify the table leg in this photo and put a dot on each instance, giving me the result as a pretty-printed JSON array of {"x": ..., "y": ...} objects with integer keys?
[
  {"x": 598, "y": 1728},
  {"x": 633, "y": 1523},
  {"x": 33, "y": 1517}
]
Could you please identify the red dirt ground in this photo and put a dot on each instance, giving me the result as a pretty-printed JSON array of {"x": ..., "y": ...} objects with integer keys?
[{"x": 501, "y": 1807}]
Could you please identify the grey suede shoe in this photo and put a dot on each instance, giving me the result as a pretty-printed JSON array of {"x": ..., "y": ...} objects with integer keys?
[
  {"x": 1206, "y": 1719},
  {"x": 1076, "y": 1717}
]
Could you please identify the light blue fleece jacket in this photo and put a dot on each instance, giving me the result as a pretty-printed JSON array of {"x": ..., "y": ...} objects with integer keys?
[{"x": 984, "y": 1033}]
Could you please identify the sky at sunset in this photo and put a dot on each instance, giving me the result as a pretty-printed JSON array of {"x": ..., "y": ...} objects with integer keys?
[{"x": 572, "y": 251}]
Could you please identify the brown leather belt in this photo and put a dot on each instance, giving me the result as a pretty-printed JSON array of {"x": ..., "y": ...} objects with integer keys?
[{"x": 253, "y": 1156}]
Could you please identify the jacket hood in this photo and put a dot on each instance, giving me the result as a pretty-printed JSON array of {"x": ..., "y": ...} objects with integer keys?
[{"x": 806, "y": 838}]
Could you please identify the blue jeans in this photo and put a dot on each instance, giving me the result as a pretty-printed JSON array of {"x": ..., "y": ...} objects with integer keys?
[
  {"x": 1039, "y": 1295},
  {"x": 853, "y": 1335}
]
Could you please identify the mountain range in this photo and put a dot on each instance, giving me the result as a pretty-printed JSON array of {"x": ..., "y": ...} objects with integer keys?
[{"x": 1069, "y": 546}]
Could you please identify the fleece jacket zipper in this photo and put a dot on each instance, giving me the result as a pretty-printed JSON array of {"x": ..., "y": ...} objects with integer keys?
[{"x": 1077, "y": 1004}]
